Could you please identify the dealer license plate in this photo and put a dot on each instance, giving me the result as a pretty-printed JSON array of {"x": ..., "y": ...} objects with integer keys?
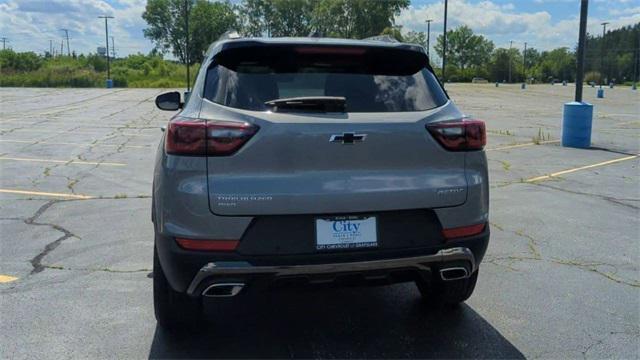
[{"x": 346, "y": 232}]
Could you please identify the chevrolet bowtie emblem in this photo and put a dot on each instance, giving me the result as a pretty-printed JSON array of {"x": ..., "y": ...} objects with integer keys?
[{"x": 348, "y": 138}]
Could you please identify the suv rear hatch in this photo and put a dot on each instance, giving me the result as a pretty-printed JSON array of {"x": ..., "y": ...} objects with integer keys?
[{"x": 375, "y": 156}]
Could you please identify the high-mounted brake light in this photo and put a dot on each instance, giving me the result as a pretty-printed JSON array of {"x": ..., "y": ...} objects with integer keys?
[
  {"x": 327, "y": 50},
  {"x": 188, "y": 136},
  {"x": 207, "y": 245},
  {"x": 460, "y": 135},
  {"x": 463, "y": 231}
]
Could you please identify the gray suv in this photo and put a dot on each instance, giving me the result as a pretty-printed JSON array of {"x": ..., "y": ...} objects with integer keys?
[{"x": 308, "y": 161}]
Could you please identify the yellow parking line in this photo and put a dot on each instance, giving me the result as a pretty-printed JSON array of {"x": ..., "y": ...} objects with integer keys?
[
  {"x": 49, "y": 194},
  {"x": 72, "y": 162},
  {"x": 549, "y": 176},
  {"x": 7, "y": 278},
  {"x": 523, "y": 145},
  {"x": 72, "y": 143},
  {"x": 75, "y": 132}
]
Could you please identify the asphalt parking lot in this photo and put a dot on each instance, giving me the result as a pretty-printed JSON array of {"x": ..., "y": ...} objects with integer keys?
[{"x": 561, "y": 278}]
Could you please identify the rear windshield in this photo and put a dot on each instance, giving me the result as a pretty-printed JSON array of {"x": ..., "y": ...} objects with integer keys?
[{"x": 370, "y": 79}]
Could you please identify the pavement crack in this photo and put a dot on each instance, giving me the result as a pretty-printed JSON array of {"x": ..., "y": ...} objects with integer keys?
[
  {"x": 36, "y": 262},
  {"x": 617, "y": 201}
]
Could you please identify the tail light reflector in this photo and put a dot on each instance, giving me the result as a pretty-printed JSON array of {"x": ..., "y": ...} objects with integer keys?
[
  {"x": 188, "y": 136},
  {"x": 460, "y": 135},
  {"x": 208, "y": 245},
  {"x": 463, "y": 231}
]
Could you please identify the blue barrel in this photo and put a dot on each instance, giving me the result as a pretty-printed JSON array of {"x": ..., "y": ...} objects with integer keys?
[
  {"x": 523, "y": 86},
  {"x": 576, "y": 125},
  {"x": 600, "y": 93},
  {"x": 109, "y": 83}
]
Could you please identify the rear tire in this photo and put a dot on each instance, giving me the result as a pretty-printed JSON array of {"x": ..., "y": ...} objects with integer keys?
[
  {"x": 447, "y": 293},
  {"x": 173, "y": 310}
]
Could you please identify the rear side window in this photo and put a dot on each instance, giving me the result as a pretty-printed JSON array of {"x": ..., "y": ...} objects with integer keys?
[{"x": 370, "y": 79}]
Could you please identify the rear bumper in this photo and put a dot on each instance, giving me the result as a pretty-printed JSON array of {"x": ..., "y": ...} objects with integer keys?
[
  {"x": 191, "y": 271},
  {"x": 234, "y": 271}
]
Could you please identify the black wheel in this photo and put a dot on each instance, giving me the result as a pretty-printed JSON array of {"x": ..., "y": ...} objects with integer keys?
[
  {"x": 447, "y": 293},
  {"x": 173, "y": 310}
]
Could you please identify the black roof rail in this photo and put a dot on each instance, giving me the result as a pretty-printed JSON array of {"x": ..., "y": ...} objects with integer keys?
[{"x": 230, "y": 35}]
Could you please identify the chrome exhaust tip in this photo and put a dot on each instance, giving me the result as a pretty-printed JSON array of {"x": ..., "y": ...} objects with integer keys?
[
  {"x": 454, "y": 273},
  {"x": 223, "y": 290}
]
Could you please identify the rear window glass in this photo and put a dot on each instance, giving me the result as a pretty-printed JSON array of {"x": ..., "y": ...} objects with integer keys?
[{"x": 371, "y": 80}]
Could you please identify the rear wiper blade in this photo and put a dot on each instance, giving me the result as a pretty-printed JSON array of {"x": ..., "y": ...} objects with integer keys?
[{"x": 309, "y": 103}]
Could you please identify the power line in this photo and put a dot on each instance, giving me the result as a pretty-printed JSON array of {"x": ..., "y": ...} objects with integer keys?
[{"x": 66, "y": 31}]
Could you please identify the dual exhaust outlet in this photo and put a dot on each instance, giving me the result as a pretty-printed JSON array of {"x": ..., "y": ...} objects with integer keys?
[
  {"x": 223, "y": 290},
  {"x": 232, "y": 289},
  {"x": 454, "y": 273}
]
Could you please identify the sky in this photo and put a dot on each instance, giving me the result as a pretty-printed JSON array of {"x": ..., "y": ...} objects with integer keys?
[{"x": 29, "y": 25}]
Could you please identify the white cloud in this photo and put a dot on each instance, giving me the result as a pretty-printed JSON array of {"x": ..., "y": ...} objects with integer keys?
[
  {"x": 503, "y": 23},
  {"x": 30, "y": 24}
]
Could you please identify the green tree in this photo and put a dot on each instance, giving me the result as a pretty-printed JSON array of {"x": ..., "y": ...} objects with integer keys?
[
  {"x": 464, "y": 49},
  {"x": 278, "y": 17},
  {"x": 416, "y": 37},
  {"x": 167, "y": 28},
  {"x": 355, "y": 18},
  {"x": 556, "y": 64}
]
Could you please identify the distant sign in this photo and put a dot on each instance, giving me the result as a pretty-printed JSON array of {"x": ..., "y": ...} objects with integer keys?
[{"x": 102, "y": 50}]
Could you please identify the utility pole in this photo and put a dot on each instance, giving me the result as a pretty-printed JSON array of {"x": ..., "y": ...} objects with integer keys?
[
  {"x": 113, "y": 48},
  {"x": 524, "y": 64},
  {"x": 4, "y": 42},
  {"x": 444, "y": 45},
  {"x": 582, "y": 44},
  {"x": 186, "y": 23},
  {"x": 604, "y": 31},
  {"x": 510, "y": 45},
  {"x": 428, "y": 34},
  {"x": 66, "y": 31},
  {"x": 51, "y": 47},
  {"x": 106, "y": 38},
  {"x": 61, "y": 47}
]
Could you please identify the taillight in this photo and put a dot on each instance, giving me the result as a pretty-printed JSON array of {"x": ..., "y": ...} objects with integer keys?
[
  {"x": 188, "y": 136},
  {"x": 453, "y": 233},
  {"x": 207, "y": 245},
  {"x": 460, "y": 135}
]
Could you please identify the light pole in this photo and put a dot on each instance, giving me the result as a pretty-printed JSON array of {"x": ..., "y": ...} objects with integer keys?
[
  {"x": 510, "y": 45},
  {"x": 444, "y": 45},
  {"x": 577, "y": 117},
  {"x": 428, "y": 34},
  {"x": 604, "y": 31},
  {"x": 186, "y": 23},
  {"x": 106, "y": 38}
]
